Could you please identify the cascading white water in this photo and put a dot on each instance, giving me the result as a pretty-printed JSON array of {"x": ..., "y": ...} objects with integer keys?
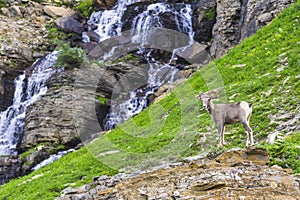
[
  {"x": 149, "y": 18},
  {"x": 108, "y": 22},
  {"x": 12, "y": 119}
]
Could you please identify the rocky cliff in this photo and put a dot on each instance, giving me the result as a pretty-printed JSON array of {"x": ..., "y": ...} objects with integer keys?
[
  {"x": 236, "y": 174},
  {"x": 237, "y": 20}
]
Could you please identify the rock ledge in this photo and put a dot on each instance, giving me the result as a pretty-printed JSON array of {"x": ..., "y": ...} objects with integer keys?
[{"x": 236, "y": 174}]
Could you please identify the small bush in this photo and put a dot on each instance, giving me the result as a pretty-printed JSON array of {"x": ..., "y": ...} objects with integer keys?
[
  {"x": 70, "y": 58},
  {"x": 85, "y": 7}
]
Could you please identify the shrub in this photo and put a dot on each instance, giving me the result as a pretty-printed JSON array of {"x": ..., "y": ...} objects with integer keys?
[
  {"x": 70, "y": 58},
  {"x": 85, "y": 7}
]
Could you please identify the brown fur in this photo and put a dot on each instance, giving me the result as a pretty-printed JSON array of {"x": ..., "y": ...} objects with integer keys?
[{"x": 223, "y": 114}]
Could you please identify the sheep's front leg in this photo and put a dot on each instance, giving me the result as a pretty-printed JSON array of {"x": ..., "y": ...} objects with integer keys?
[
  {"x": 223, "y": 137},
  {"x": 221, "y": 134},
  {"x": 250, "y": 140},
  {"x": 251, "y": 137}
]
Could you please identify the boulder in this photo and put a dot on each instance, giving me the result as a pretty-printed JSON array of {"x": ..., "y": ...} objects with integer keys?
[
  {"x": 50, "y": 119},
  {"x": 54, "y": 11},
  {"x": 58, "y": 117},
  {"x": 69, "y": 24}
]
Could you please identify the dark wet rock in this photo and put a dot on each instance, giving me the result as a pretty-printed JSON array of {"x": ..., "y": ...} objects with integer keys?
[
  {"x": 69, "y": 24},
  {"x": 10, "y": 167}
]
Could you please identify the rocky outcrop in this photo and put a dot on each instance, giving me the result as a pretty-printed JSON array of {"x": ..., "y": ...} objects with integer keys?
[
  {"x": 50, "y": 119},
  {"x": 60, "y": 118},
  {"x": 204, "y": 18},
  {"x": 23, "y": 39},
  {"x": 236, "y": 20},
  {"x": 10, "y": 167},
  {"x": 7, "y": 86},
  {"x": 235, "y": 174}
]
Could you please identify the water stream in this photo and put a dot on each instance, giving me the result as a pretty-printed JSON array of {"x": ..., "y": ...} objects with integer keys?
[
  {"x": 109, "y": 24},
  {"x": 12, "y": 119}
]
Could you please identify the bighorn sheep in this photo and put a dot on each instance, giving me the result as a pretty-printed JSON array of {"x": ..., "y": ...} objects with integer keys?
[{"x": 223, "y": 114}]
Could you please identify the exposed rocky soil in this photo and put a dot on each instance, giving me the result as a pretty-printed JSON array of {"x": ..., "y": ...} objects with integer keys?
[{"x": 236, "y": 174}]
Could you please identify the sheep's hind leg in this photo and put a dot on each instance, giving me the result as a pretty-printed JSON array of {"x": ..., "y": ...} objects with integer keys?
[
  {"x": 249, "y": 134},
  {"x": 221, "y": 135}
]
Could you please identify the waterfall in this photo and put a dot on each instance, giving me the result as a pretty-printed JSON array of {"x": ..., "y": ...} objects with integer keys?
[
  {"x": 12, "y": 119},
  {"x": 109, "y": 24}
]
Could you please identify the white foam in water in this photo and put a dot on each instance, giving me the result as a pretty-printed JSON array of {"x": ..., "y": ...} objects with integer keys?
[
  {"x": 108, "y": 22},
  {"x": 52, "y": 158},
  {"x": 12, "y": 119},
  {"x": 158, "y": 73}
]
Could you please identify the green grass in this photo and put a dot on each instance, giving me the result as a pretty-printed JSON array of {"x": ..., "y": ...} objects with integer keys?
[
  {"x": 285, "y": 153},
  {"x": 46, "y": 183},
  {"x": 170, "y": 129}
]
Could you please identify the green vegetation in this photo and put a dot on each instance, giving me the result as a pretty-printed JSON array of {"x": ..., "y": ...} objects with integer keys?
[
  {"x": 56, "y": 37},
  {"x": 85, "y": 7},
  {"x": 172, "y": 127},
  {"x": 102, "y": 100},
  {"x": 3, "y": 4},
  {"x": 46, "y": 183},
  {"x": 286, "y": 153},
  {"x": 126, "y": 59},
  {"x": 70, "y": 57},
  {"x": 210, "y": 14}
]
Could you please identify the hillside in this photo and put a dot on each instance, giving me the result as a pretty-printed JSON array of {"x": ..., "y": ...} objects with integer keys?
[{"x": 264, "y": 70}]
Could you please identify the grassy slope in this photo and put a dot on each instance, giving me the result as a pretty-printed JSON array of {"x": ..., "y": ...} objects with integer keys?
[{"x": 166, "y": 130}]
